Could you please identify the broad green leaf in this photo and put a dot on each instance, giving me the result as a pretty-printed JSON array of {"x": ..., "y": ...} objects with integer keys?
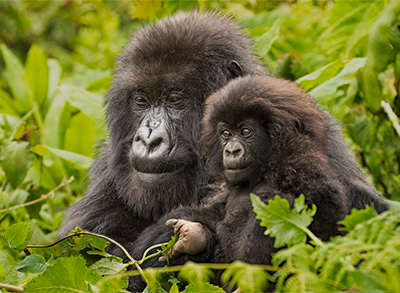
[
  {"x": 89, "y": 103},
  {"x": 37, "y": 74},
  {"x": 108, "y": 266},
  {"x": 248, "y": 278},
  {"x": 15, "y": 77},
  {"x": 174, "y": 288},
  {"x": 357, "y": 217},
  {"x": 319, "y": 76},
  {"x": 32, "y": 264},
  {"x": 199, "y": 287},
  {"x": 66, "y": 275},
  {"x": 82, "y": 161},
  {"x": 366, "y": 282},
  {"x": 102, "y": 83},
  {"x": 53, "y": 126},
  {"x": 3, "y": 272},
  {"x": 287, "y": 226},
  {"x": 380, "y": 52},
  {"x": 16, "y": 162},
  {"x": 325, "y": 91},
  {"x": 19, "y": 234},
  {"x": 55, "y": 72},
  {"x": 11, "y": 275},
  {"x": 79, "y": 136},
  {"x": 195, "y": 273},
  {"x": 264, "y": 43}
]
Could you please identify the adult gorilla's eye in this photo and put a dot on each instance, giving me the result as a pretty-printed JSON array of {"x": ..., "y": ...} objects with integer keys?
[
  {"x": 175, "y": 99},
  {"x": 226, "y": 133},
  {"x": 246, "y": 132},
  {"x": 140, "y": 100}
]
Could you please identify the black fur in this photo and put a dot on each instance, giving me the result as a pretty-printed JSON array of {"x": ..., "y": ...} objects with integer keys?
[
  {"x": 164, "y": 75},
  {"x": 298, "y": 141}
]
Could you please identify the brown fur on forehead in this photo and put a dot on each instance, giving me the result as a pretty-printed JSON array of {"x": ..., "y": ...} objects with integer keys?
[{"x": 276, "y": 102}]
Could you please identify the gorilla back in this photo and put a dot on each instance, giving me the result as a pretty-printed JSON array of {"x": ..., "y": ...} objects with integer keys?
[{"x": 152, "y": 162}]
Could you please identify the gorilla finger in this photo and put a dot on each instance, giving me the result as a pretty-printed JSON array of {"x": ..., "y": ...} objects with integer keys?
[{"x": 171, "y": 223}]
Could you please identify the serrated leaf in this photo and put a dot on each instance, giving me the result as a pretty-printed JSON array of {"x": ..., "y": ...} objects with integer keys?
[
  {"x": 11, "y": 275},
  {"x": 112, "y": 284},
  {"x": 108, "y": 266},
  {"x": 80, "y": 160},
  {"x": 19, "y": 234},
  {"x": 37, "y": 74},
  {"x": 16, "y": 162},
  {"x": 357, "y": 217},
  {"x": 66, "y": 275},
  {"x": 287, "y": 226},
  {"x": 32, "y": 264},
  {"x": 248, "y": 278},
  {"x": 195, "y": 273},
  {"x": 264, "y": 43},
  {"x": 200, "y": 287}
]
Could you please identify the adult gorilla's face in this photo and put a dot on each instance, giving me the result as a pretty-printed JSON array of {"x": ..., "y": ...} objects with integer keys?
[{"x": 165, "y": 141}]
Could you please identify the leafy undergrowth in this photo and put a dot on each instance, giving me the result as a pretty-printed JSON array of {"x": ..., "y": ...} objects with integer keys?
[{"x": 366, "y": 259}]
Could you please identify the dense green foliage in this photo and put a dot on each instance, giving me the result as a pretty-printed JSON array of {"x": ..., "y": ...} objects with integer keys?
[{"x": 55, "y": 68}]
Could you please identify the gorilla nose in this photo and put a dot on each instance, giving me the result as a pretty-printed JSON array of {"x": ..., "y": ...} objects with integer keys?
[
  {"x": 233, "y": 149},
  {"x": 153, "y": 144}
]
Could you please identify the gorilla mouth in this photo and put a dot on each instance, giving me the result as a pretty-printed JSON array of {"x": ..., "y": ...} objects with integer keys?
[
  {"x": 238, "y": 175},
  {"x": 152, "y": 179}
]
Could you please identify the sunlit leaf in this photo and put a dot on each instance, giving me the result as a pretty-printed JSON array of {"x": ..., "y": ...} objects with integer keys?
[
  {"x": 263, "y": 44},
  {"x": 37, "y": 74},
  {"x": 357, "y": 217},
  {"x": 33, "y": 264},
  {"x": 80, "y": 160},
  {"x": 195, "y": 273},
  {"x": 19, "y": 234}
]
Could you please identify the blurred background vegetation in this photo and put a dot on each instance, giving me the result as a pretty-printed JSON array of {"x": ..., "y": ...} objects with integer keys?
[{"x": 56, "y": 64}]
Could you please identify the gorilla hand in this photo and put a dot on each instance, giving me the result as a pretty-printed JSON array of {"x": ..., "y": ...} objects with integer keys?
[{"x": 192, "y": 238}]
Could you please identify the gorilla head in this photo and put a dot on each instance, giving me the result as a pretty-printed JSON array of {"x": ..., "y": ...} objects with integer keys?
[{"x": 152, "y": 161}]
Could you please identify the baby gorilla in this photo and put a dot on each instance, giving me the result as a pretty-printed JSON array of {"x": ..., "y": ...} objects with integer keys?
[
  {"x": 266, "y": 136},
  {"x": 261, "y": 135}
]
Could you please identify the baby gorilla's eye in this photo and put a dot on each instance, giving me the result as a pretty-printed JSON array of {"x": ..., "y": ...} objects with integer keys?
[
  {"x": 226, "y": 133},
  {"x": 246, "y": 132},
  {"x": 175, "y": 99}
]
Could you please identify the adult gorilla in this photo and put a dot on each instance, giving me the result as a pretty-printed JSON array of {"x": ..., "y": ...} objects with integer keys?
[{"x": 152, "y": 162}]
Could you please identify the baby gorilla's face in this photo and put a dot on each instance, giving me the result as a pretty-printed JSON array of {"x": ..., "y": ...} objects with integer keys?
[{"x": 244, "y": 145}]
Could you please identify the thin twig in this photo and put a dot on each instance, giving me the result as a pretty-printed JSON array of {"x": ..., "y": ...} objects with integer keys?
[
  {"x": 43, "y": 197},
  {"x": 11, "y": 288}
]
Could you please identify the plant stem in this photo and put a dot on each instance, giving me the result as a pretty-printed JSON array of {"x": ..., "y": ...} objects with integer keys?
[{"x": 43, "y": 197}]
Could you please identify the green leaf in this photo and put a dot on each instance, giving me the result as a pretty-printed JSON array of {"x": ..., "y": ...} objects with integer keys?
[
  {"x": 53, "y": 126},
  {"x": 16, "y": 162},
  {"x": 19, "y": 234},
  {"x": 7, "y": 104},
  {"x": 55, "y": 72},
  {"x": 66, "y": 275},
  {"x": 199, "y": 287},
  {"x": 112, "y": 284},
  {"x": 195, "y": 273},
  {"x": 82, "y": 161},
  {"x": 357, "y": 217},
  {"x": 287, "y": 226},
  {"x": 89, "y": 103},
  {"x": 326, "y": 91},
  {"x": 15, "y": 77},
  {"x": 108, "y": 266},
  {"x": 174, "y": 288},
  {"x": 32, "y": 264},
  {"x": 248, "y": 278},
  {"x": 11, "y": 275},
  {"x": 319, "y": 76},
  {"x": 264, "y": 43},
  {"x": 366, "y": 282},
  {"x": 37, "y": 74}
]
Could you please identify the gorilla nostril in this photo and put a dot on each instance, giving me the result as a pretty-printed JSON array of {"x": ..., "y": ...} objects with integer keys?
[{"x": 155, "y": 144}]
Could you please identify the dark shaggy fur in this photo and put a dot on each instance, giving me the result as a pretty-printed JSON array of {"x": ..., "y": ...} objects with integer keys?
[
  {"x": 164, "y": 75},
  {"x": 292, "y": 145}
]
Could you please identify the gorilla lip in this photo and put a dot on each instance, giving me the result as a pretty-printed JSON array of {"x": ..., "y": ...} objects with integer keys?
[{"x": 155, "y": 178}]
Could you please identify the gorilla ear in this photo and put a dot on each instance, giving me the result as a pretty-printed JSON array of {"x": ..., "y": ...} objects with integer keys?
[{"x": 235, "y": 69}]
